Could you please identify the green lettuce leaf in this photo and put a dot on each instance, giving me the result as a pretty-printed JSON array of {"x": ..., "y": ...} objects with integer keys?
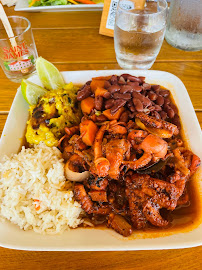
[{"x": 50, "y": 3}]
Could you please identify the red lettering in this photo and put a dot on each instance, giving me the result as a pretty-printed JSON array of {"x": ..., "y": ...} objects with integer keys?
[
  {"x": 12, "y": 55},
  {"x": 19, "y": 48},
  {"x": 20, "y": 54},
  {"x": 25, "y": 51},
  {"x": 11, "y": 50},
  {"x": 6, "y": 56},
  {"x": 23, "y": 45},
  {"x": 14, "y": 52},
  {"x": 5, "y": 50}
]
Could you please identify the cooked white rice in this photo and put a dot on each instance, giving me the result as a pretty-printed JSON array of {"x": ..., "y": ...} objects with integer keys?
[{"x": 34, "y": 179}]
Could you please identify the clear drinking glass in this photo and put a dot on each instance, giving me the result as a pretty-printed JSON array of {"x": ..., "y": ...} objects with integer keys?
[
  {"x": 17, "y": 54},
  {"x": 138, "y": 34},
  {"x": 184, "y": 29}
]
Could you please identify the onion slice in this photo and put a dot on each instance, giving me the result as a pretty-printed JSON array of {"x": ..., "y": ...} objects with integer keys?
[{"x": 75, "y": 176}]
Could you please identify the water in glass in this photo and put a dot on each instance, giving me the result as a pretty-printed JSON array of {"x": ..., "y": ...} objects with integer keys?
[
  {"x": 138, "y": 35},
  {"x": 184, "y": 29}
]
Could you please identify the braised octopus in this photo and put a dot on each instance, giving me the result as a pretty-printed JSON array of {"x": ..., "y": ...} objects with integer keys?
[{"x": 133, "y": 150}]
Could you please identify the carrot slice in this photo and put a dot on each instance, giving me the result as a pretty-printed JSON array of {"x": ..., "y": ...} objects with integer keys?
[
  {"x": 87, "y": 105},
  {"x": 86, "y": 2},
  {"x": 33, "y": 2},
  {"x": 100, "y": 91},
  {"x": 96, "y": 83},
  {"x": 73, "y": 2},
  {"x": 37, "y": 204},
  {"x": 115, "y": 116},
  {"x": 89, "y": 129},
  {"x": 102, "y": 78}
]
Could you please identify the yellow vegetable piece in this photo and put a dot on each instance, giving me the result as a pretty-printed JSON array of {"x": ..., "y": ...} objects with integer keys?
[
  {"x": 54, "y": 111},
  {"x": 163, "y": 133}
]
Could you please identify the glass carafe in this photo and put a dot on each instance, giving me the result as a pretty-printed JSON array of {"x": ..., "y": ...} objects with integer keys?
[{"x": 184, "y": 26}]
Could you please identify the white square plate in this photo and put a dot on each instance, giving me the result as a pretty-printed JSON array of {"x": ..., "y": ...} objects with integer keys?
[
  {"x": 102, "y": 239},
  {"x": 22, "y": 5}
]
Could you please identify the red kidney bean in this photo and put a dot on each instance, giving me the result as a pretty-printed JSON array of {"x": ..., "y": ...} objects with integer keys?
[
  {"x": 98, "y": 103},
  {"x": 137, "y": 88},
  {"x": 132, "y": 115},
  {"x": 107, "y": 95},
  {"x": 170, "y": 112},
  {"x": 109, "y": 104},
  {"x": 157, "y": 108},
  {"x": 152, "y": 108},
  {"x": 107, "y": 84},
  {"x": 176, "y": 121},
  {"x": 88, "y": 82},
  {"x": 134, "y": 84},
  {"x": 114, "y": 88},
  {"x": 166, "y": 101},
  {"x": 164, "y": 93},
  {"x": 84, "y": 92},
  {"x": 163, "y": 115},
  {"x": 132, "y": 109},
  {"x": 156, "y": 115},
  {"x": 125, "y": 76},
  {"x": 125, "y": 89},
  {"x": 142, "y": 78},
  {"x": 152, "y": 95},
  {"x": 138, "y": 105},
  {"x": 146, "y": 86},
  {"x": 117, "y": 105},
  {"x": 174, "y": 107},
  {"x": 124, "y": 117},
  {"x": 146, "y": 110},
  {"x": 102, "y": 118},
  {"x": 146, "y": 101},
  {"x": 130, "y": 106},
  {"x": 122, "y": 96},
  {"x": 134, "y": 79},
  {"x": 144, "y": 92},
  {"x": 129, "y": 103},
  {"x": 114, "y": 79},
  {"x": 160, "y": 101},
  {"x": 155, "y": 87},
  {"x": 121, "y": 80}
]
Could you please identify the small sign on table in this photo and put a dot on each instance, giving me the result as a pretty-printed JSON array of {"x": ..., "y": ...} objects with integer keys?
[{"x": 108, "y": 18}]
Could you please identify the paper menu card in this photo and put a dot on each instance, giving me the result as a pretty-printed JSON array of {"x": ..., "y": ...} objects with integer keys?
[
  {"x": 109, "y": 14},
  {"x": 108, "y": 17}
]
